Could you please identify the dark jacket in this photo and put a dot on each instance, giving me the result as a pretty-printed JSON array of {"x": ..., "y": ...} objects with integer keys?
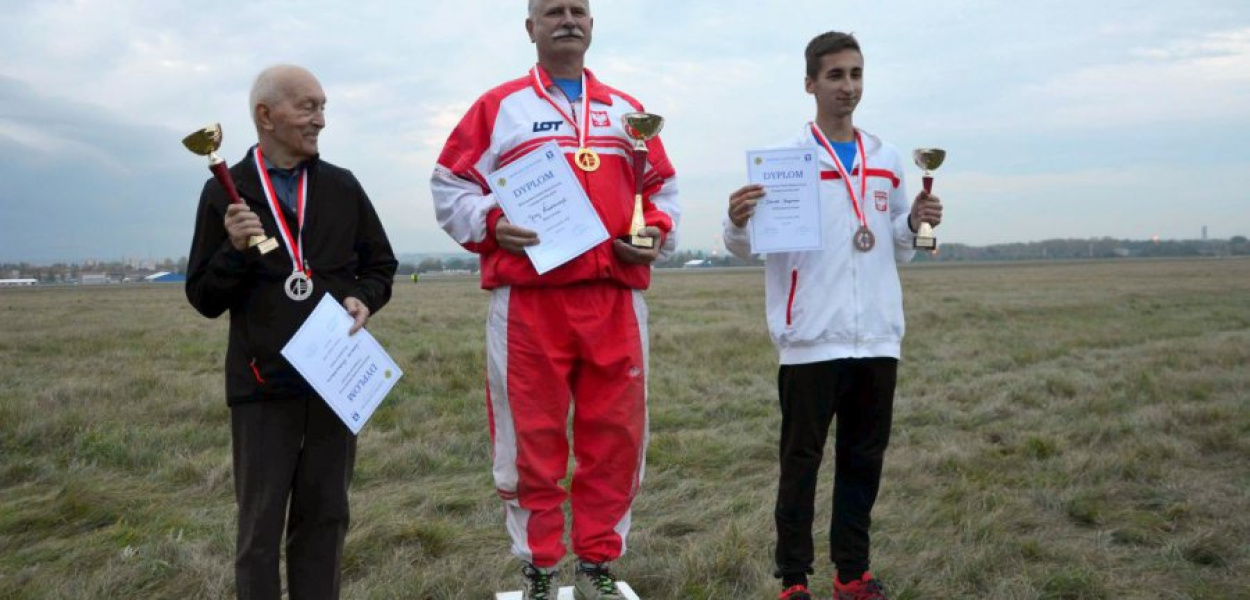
[{"x": 346, "y": 250}]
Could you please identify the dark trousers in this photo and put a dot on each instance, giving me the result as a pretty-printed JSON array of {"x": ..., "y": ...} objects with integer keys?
[
  {"x": 290, "y": 454},
  {"x": 860, "y": 392}
]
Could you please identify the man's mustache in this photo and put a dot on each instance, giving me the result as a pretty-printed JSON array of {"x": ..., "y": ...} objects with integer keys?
[{"x": 568, "y": 32}]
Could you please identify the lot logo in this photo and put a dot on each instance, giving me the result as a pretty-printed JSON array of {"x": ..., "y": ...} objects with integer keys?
[{"x": 542, "y": 126}]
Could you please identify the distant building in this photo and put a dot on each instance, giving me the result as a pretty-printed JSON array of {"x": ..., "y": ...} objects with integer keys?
[
  {"x": 697, "y": 263},
  {"x": 94, "y": 279},
  {"x": 17, "y": 282},
  {"x": 165, "y": 277}
]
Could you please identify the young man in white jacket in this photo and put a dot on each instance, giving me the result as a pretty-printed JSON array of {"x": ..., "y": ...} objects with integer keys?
[{"x": 836, "y": 317}]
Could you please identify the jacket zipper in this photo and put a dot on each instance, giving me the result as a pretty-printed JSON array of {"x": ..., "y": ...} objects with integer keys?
[
  {"x": 256, "y": 372},
  {"x": 794, "y": 287}
]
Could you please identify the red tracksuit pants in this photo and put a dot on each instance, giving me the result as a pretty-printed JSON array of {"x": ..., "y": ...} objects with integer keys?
[{"x": 582, "y": 347}]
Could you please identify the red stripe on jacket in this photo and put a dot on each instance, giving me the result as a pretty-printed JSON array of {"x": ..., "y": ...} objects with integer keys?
[{"x": 883, "y": 173}]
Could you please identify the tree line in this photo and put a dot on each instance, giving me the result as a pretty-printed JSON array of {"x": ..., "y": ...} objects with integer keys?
[{"x": 1057, "y": 249}]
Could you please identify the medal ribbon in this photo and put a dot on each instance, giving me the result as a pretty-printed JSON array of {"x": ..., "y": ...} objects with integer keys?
[
  {"x": 296, "y": 247},
  {"x": 585, "y": 126},
  {"x": 846, "y": 176}
]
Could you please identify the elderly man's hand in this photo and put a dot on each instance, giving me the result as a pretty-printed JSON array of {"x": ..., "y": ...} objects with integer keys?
[
  {"x": 358, "y": 311},
  {"x": 241, "y": 224},
  {"x": 639, "y": 256},
  {"x": 514, "y": 238}
]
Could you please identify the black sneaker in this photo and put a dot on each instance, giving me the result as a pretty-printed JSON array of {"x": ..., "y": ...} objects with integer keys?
[
  {"x": 539, "y": 583},
  {"x": 595, "y": 582}
]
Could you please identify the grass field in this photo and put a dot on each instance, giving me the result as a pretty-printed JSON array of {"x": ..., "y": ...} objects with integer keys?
[{"x": 1063, "y": 431}]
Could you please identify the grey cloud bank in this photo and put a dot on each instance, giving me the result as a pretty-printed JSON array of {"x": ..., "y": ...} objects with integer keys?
[{"x": 1128, "y": 121}]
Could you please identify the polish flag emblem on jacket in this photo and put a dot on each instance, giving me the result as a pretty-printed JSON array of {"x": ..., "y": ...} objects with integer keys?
[
  {"x": 599, "y": 118},
  {"x": 882, "y": 198}
]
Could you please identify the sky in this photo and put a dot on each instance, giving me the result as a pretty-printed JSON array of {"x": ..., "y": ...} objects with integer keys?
[{"x": 1061, "y": 119}]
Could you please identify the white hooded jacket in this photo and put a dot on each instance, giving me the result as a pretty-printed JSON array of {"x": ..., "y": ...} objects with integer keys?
[{"x": 839, "y": 302}]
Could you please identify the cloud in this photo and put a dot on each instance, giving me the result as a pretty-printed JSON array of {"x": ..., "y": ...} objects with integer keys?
[
  {"x": 78, "y": 178},
  {"x": 94, "y": 97}
]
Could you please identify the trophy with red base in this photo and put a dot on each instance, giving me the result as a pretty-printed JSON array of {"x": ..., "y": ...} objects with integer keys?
[
  {"x": 928, "y": 159},
  {"x": 640, "y": 127},
  {"x": 205, "y": 142}
]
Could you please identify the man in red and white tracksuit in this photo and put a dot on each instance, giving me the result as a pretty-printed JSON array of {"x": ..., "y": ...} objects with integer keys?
[
  {"x": 576, "y": 334},
  {"x": 836, "y": 318}
]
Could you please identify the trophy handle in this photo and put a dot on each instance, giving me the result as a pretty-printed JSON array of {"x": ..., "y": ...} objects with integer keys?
[
  {"x": 638, "y": 221},
  {"x": 928, "y": 184},
  {"x": 640, "y": 167},
  {"x": 222, "y": 173}
]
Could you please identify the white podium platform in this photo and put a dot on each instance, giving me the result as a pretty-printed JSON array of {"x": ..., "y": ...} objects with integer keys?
[{"x": 566, "y": 593}]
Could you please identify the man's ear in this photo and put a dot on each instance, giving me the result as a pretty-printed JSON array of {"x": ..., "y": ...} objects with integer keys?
[
  {"x": 529, "y": 28},
  {"x": 262, "y": 117},
  {"x": 809, "y": 84}
]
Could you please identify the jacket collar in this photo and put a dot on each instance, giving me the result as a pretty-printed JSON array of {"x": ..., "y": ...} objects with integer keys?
[
  {"x": 872, "y": 143},
  {"x": 247, "y": 179},
  {"x": 596, "y": 90}
]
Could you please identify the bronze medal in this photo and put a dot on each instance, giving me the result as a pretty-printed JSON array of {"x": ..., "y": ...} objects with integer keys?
[{"x": 864, "y": 239}]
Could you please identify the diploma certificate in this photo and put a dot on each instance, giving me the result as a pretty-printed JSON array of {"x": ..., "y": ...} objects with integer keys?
[
  {"x": 352, "y": 373},
  {"x": 540, "y": 192},
  {"x": 787, "y": 218}
]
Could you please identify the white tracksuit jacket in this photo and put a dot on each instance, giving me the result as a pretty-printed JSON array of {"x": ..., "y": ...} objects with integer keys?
[{"x": 839, "y": 302}]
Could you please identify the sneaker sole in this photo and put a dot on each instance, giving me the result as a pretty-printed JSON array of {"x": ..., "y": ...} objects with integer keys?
[{"x": 566, "y": 593}]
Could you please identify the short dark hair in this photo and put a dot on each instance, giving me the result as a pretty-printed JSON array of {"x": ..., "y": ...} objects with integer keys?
[{"x": 829, "y": 42}]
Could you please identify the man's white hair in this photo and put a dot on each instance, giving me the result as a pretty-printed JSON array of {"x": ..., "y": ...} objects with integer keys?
[
  {"x": 534, "y": 7},
  {"x": 271, "y": 86}
]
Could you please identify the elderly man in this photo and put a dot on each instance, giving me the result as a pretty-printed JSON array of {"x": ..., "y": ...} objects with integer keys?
[
  {"x": 576, "y": 334},
  {"x": 293, "y": 458}
]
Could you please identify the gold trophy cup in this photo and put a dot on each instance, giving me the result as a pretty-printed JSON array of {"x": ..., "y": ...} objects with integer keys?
[
  {"x": 640, "y": 127},
  {"x": 928, "y": 159},
  {"x": 206, "y": 142}
]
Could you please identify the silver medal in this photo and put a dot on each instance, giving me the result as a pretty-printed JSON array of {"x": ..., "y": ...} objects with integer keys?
[{"x": 299, "y": 287}]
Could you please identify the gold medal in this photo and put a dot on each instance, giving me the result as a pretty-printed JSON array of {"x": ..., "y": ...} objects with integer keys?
[{"x": 587, "y": 160}]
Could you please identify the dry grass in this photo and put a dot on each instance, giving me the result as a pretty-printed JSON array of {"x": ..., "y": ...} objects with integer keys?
[{"x": 1063, "y": 431}]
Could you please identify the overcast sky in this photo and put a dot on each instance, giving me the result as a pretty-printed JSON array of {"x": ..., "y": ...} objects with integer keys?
[{"x": 1062, "y": 118}]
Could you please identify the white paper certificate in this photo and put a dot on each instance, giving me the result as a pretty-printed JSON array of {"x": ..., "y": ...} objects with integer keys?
[
  {"x": 540, "y": 192},
  {"x": 787, "y": 218},
  {"x": 352, "y": 373}
]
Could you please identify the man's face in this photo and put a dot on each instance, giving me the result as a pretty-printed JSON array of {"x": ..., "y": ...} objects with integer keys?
[
  {"x": 297, "y": 119},
  {"x": 839, "y": 84},
  {"x": 561, "y": 27}
]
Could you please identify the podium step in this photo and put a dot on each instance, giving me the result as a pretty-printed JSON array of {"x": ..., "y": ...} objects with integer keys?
[{"x": 566, "y": 593}]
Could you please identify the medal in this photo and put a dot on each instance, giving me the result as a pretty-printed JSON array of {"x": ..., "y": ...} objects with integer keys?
[
  {"x": 299, "y": 285},
  {"x": 587, "y": 160},
  {"x": 864, "y": 239}
]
